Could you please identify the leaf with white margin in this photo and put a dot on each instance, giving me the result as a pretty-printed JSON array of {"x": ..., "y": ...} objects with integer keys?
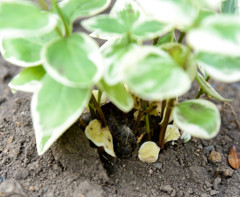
[
  {"x": 208, "y": 89},
  {"x": 148, "y": 152},
  {"x": 200, "y": 118},
  {"x": 20, "y": 18},
  {"x": 113, "y": 51},
  {"x": 169, "y": 37},
  {"x": 73, "y": 61},
  {"x": 208, "y": 4},
  {"x": 162, "y": 78},
  {"x": 172, "y": 134},
  {"x": 230, "y": 7},
  {"x": 220, "y": 67},
  {"x": 149, "y": 29},
  {"x": 55, "y": 108},
  {"x": 26, "y": 52},
  {"x": 186, "y": 137},
  {"x": 28, "y": 80},
  {"x": 179, "y": 13},
  {"x": 217, "y": 34},
  {"x": 73, "y": 9},
  {"x": 101, "y": 137},
  {"x": 118, "y": 95}
]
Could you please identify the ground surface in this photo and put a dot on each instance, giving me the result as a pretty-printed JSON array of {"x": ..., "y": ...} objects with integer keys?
[{"x": 73, "y": 168}]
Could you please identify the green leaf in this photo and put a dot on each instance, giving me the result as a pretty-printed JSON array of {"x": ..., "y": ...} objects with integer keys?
[
  {"x": 19, "y": 18},
  {"x": 220, "y": 67},
  {"x": 230, "y": 7},
  {"x": 105, "y": 24},
  {"x": 118, "y": 95},
  {"x": 73, "y": 61},
  {"x": 73, "y": 9},
  {"x": 26, "y": 52},
  {"x": 55, "y": 108},
  {"x": 217, "y": 34},
  {"x": 28, "y": 80},
  {"x": 162, "y": 78},
  {"x": 169, "y": 37},
  {"x": 179, "y": 13},
  {"x": 113, "y": 51},
  {"x": 200, "y": 118},
  {"x": 149, "y": 29},
  {"x": 208, "y": 89}
]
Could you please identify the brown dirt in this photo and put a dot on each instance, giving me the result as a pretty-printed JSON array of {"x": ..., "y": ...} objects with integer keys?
[{"x": 73, "y": 166}]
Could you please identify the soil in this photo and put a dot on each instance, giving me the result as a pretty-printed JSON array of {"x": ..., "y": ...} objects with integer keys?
[{"x": 73, "y": 167}]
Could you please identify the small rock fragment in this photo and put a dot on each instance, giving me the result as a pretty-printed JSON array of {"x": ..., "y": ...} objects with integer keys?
[
  {"x": 11, "y": 188},
  {"x": 216, "y": 182},
  {"x": 226, "y": 171},
  {"x": 204, "y": 195},
  {"x": 208, "y": 185},
  {"x": 167, "y": 188},
  {"x": 158, "y": 166},
  {"x": 214, "y": 192},
  {"x": 173, "y": 194},
  {"x": 215, "y": 157}
]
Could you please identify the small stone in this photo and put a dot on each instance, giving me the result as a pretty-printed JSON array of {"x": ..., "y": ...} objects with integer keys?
[
  {"x": 167, "y": 188},
  {"x": 150, "y": 171},
  {"x": 215, "y": 157},
  {"x": 216, "y": 182},
  {"x": 11, "y": 188},
  {"x": 21, "y": 173},
  {"x": 214, "y": 192},
  {"x": 158, "y": 166},
  {"x": 204, "y": 195},
  {"x": 10, "y": 139},
  {"x": 180, "y": 193},
  {"x": 173, "y": 194},
  {"x": 228, "y": 172},
  {"x": 31, "y": 188},
  {"x": 208, "y": 184}
]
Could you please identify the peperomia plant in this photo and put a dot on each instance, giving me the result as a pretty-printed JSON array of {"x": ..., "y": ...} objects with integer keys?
[{"x": 61, "y": 68}]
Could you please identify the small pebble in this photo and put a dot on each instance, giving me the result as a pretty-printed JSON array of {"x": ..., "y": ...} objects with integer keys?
[
  {"x": 208, "y": 185},
  {"x": 10, "y": 139},
  {"x": 173, "y": 194},
  {"x": 215, "y": 157},
  {"x": 158, "y": 166},
  {"x": 216, "y": 182},
  {"x": 214, "y": 192},
  {"x": 204, "y": 195},
  {"x": 167, "y": 188},
  {"x": 150, "y": 171},
  {"x": 21, "y": 173}
]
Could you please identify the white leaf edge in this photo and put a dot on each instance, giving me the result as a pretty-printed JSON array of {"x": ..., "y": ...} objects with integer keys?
[
  {"x": 30, "y": 87},
  {"x": 194, "y": 130},
  {"x": 140, "y": 52},
  {"x": 57, "y": 131},
  {"x": 95, "y": 57},
  {"x": 16, "y": 33},
  {"x": 203, "y": 39}
]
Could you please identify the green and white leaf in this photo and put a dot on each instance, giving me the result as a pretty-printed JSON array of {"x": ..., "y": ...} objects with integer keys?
[
  {"x": 217, "y": 34},
  {"x": 162, "y": 78},
  {"x": 149, "y": 29},
  {"x": 28, "y": 80},
  {"x": 220, "y": 67},
  {"x": 55, "y": 108},
  {"x": 105, "y": 25},
  {"x": 113, "y": 51},
  {"x": 118, "y": 95},
  {"x": 26, "y": 52},
  {"x": 208, "y": 89},
  {"x": 179, "y": 13},
  {"x": 230, "y": 7},
  {"x": 200, "y": 118},
  {"x": 20, "y": 18},
  {"x": 73, "y": 61},
  {"x": 73, "y": 9}
]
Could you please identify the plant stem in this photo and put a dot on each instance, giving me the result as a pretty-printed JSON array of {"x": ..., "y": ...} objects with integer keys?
[
  {"x": 148, "y": 127},
  {"x": 201, "y": 91},
  {"x": 155, "y": 40},
  {"x": 43, "y": 4},
  {"x": 165, "y": 122},
  {"x": 164, "y": 102},
  {"x": 55, "y": 4},
  {"x": 140, "y": 114},
  {"x": 92, "y": 110},
  {"x": 99, "y": 110},
  {"x": 99, "y": 97},
  {"x": 82, "y": 123},
  {"x": 182, "y": 35}
]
